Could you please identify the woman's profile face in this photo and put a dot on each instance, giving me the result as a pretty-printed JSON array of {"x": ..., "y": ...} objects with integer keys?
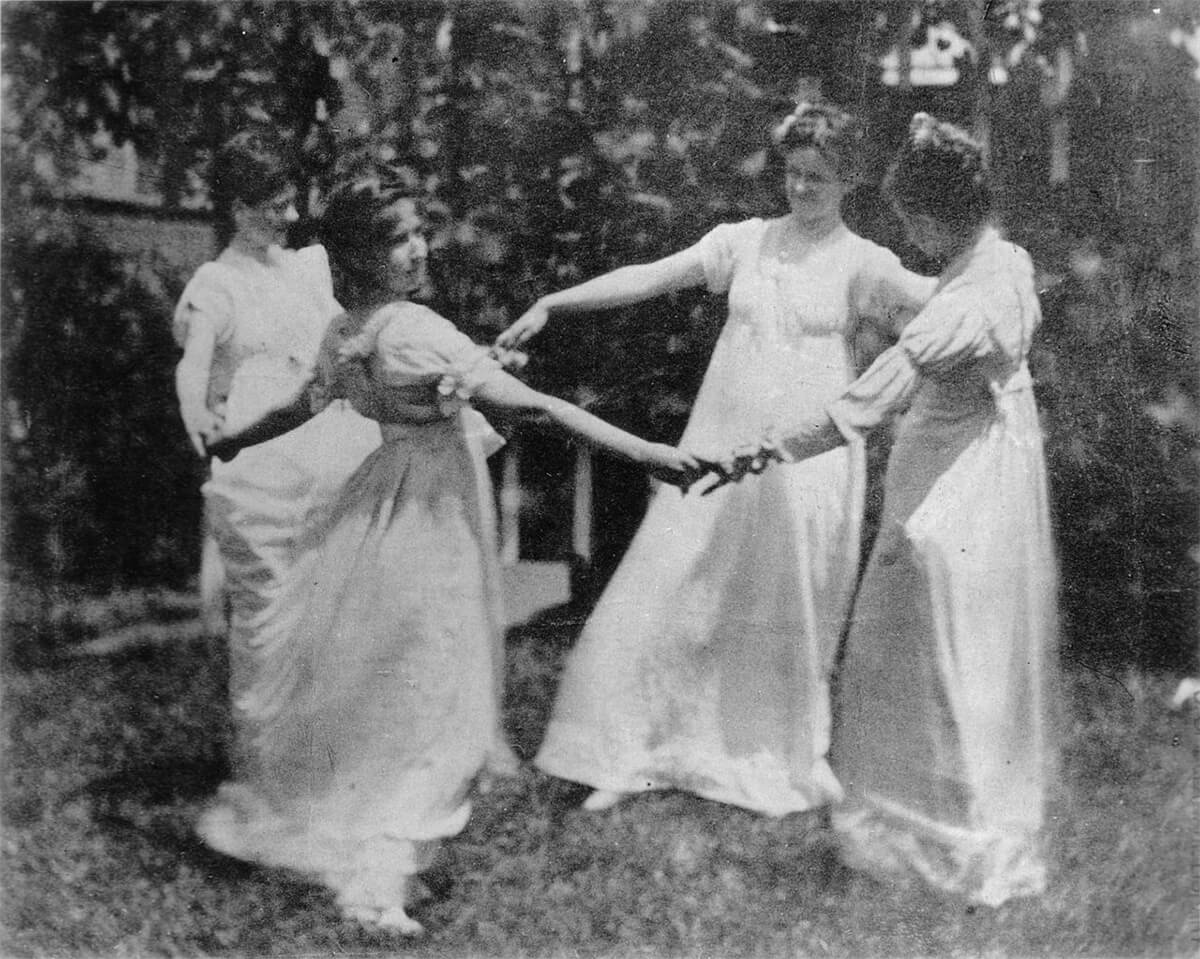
[
  {"x": 408, "y": 252},
  {"x": 926, "y": 233},
  {"x": 267, "y": 223},
  {"x": 814, "y": 189}
]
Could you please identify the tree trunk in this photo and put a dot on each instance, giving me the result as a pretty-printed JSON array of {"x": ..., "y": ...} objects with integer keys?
[{"x": 981, "y": 108}]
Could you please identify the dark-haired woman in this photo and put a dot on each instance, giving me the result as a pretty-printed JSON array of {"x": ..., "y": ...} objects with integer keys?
[
  {"x": 705, "y": 665},
  {"x": 384, "y": 701},
  {"x": 941, "y": 737},
  {"x": 251, "y": 323}
]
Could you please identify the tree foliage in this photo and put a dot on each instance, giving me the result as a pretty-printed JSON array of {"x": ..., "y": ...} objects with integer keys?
[{"x": 551, "y": 140}]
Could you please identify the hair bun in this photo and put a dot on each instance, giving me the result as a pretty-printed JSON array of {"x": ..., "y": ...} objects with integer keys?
[
  {"x": 928, "y": 134},
  {"x": 922, "y": 129},
  {"x": 940, "y": 171},
  {"x": 827, "y": 128}
]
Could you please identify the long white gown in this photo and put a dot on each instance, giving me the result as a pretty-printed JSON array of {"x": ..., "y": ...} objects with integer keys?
[
  {"x": 705, "y": 665},
  {"x": 942, "y": 734},
  {"x": 269, "y": 319},
  {"x": 379, "y": 707}
]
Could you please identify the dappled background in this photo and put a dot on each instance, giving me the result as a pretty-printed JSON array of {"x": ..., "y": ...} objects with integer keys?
[{"x": 552, "y": 140}]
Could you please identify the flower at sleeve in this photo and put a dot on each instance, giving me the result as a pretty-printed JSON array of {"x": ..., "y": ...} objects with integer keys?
[
  {"x": 469, "y": 370},
  {"x": 453, "y": 393}
]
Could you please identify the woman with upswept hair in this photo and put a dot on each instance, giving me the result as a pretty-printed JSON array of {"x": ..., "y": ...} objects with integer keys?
[
  {"x": 384, "y": 705},
  {"x": 705, "y": 665},
  {"x": 250, "y": 323},
  {"x": 943, "y": 736}
]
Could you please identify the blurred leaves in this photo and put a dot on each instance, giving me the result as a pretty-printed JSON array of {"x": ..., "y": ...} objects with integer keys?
[{"x": 551, "y": 140}]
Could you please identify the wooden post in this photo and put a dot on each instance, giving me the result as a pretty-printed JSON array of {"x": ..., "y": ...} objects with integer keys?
[
  {"x": 1055, "y": 91},
  {"x": 581, "y": 518},
  {"x": 510, "y": 504}
]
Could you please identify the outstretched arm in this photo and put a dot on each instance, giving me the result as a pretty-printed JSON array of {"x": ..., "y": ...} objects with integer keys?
[
  {"x": 629, "y": 284},
  {"x": 506, "y": 394}
]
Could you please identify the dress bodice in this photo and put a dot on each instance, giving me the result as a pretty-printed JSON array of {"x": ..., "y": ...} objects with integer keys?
[
  {"x": 407, "y": 367},
  {"x": 268, "y": 320},
  {"x": 785, "y": 350},
  {"x": 783, "y": 290},
  {"x": 963, "y": 356}
]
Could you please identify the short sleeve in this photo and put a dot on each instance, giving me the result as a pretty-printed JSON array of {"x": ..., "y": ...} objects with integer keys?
[
  {"x": 719, "y": 250},
  {"x": 887, "y": 292},
  {"x": 313, "y": 263},
  {"x": 208, "y": 294},
  {"x": 417, "y": 345}
]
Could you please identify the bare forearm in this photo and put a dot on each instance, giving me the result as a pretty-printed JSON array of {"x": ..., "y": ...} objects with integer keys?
[
  {"x": 191, "y": 385},
  {"x": 628, "y": 284},
  {"x": 812, "y": 440},
  {"x": 271, "y": 424},
  {"x": 593, "y": 431}
]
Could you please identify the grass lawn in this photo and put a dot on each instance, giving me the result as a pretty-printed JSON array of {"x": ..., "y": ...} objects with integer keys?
[{"x": 108, "y": 757}]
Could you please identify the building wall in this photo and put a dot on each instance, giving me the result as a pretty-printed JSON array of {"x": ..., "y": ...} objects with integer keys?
[{"x": 178, "y": 241}]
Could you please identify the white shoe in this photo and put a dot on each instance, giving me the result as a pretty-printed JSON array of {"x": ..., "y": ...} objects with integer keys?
[
  {"x": 397, "y": 920},
  {"x": 602, "y": 799},
  {"x": 1187, "y": 693},
  {"x": 393, "y": 919}
]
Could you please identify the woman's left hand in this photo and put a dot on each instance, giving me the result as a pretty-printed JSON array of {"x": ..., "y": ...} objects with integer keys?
[
  {"x": 749, "y": 459},
  {"x": 529, "y": 324},
  {"x": 669, "y": 464}
]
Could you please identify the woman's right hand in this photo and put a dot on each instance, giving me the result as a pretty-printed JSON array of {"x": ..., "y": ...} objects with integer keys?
[
  {"x": 202, "y": 425},
  {"x": 669, "y": 464},
  {"x": 527, "y": 326}
]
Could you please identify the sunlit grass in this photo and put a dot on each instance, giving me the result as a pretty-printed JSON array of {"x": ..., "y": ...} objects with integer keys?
[{"x": 109, "y": 756}]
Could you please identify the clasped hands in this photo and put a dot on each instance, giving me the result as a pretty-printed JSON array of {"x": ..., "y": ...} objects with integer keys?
[{"x": 749, "y": 459}]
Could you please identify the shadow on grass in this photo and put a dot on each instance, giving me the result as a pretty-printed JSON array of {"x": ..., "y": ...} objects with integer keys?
[
  {"x": 535, "y": 653},
  {"x": 158, "y": 783},
  {"x": 154, "y": 805}
]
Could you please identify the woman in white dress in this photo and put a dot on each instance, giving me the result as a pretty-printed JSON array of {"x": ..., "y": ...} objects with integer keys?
[
  {"x": 251, "y": 323},
  {"x": 942, "y": 734},
  {"x": 383, "y": 703},
  {"x": 705, "y": 665}
]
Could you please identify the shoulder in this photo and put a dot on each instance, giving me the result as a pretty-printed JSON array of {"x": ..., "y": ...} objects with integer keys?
[
  {"x": 207, "y": 302},
  {"x": 413, "y": 317},
  {"x": 309, "y": 263},
  {"x": 745, "y": 230},
  {"x": 999, "y": 278},
  {"x": 735, "y": 234},
  {"x": 311, "y": 257},
  {"x": 212, "y": 288},
  {"x": 213, "y": 275},
  {"x": 409, "y": 325},
  {"x": 869, "y": 255}
]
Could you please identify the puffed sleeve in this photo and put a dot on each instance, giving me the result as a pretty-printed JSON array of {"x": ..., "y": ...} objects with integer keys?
[
  {"x": 417, "y": 345},
  {"x": 314, "y": 265},
  {"x": 718, "y": 251},
  {"x": 887, "y": 292},
  {"x": 206, "y": 294},
  {"x": 950, "y": 331}
]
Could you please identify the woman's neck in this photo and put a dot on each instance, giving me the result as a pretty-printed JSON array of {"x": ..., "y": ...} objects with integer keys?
[
  {"x": 367, "y": 302},
  {"x": 252, "y": 247},
  {"x": 810, "y": 229},
  {"x": 960, "y": 255}
]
